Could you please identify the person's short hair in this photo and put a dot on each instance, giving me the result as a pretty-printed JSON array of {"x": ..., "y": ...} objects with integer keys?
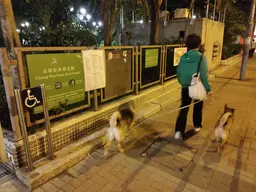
[{"x": 193, "y": 41}]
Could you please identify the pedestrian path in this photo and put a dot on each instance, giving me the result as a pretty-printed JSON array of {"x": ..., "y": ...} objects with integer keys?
[{"x": 187, "y": 166}]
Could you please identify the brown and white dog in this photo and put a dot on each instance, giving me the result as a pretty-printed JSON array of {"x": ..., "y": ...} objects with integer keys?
[
  {"x": 119, "y": 123},
  {"x": 223, "y": 126}
]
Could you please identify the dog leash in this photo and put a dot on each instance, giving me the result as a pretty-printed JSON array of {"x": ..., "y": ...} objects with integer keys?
[{"x": 178, "y": 109}]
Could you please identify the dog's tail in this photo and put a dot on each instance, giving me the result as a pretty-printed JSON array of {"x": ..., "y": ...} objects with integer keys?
[
  {"x": 224, "y": 119},
  {"x": 115, "y": 119}
]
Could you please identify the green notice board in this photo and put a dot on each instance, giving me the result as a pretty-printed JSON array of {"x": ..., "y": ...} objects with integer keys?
[
  {"x": 62, "y": 75},
  {"x": 151, "y": 58}
]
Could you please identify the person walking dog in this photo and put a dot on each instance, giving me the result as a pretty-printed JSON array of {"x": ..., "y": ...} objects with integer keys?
[{"x": 188, "y": 66}]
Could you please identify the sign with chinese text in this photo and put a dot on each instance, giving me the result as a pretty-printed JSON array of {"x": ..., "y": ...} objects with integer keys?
[
  {"x": 62, "y": 75},
  {"x": 178, "y": 52},
  {"x": 94, "y": 69},
  {"x": 151, "y": 58}
]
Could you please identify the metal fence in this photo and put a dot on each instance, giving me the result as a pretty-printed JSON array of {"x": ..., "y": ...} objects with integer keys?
[{"x": 128, "y": 70}]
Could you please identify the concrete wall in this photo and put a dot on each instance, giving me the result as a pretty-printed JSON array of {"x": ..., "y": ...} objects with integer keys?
[{"x": 215, "y": 31}]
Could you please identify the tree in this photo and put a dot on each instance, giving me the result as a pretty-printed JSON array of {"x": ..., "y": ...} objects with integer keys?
[
  {"x": 155, "y": 20},
  {"x": 109, "y": 11},
  {"x": 61, "y": 27}
]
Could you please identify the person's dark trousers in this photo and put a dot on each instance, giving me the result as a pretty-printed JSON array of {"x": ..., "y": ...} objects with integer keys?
[
  {"x": 197, "y": 113},
  {"x": 251, "y": 52}
]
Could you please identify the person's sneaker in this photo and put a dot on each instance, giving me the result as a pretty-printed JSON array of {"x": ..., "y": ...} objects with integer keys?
[
  {"x": 178, "y": 135},
  {"x": 197, "y": 129}
]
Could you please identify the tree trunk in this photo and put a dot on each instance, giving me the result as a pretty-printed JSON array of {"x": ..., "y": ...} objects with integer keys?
[
  {"x": 247, "y": 41},
  {"x": 11, "y": 40},
  {"x": 8, "y": 26},
  {"x": 109, "y": 10},
  {"x": 155, "y": 20}
]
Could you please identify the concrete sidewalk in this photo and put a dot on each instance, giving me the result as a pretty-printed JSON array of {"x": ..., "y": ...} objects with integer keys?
[{"x": 177, "y": 166}]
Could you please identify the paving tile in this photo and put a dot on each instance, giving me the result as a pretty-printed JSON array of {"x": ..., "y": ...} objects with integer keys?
[
  {"x": 68, "y": 188},
  {"x": 39, "y": 189},
  {"x": 94, "y": 188},
  {"x": 75, "y": 182},
  {"x": 194, "y": 188},
  {"x": 199, "y": 180},
  {"x": 157, "y": 185},
  {"x": 103, "y": 170},
  {"x": 99, "y": 180},
  {"x": 49, "y": 187},
  {"x": 73, "y": 172},
  {"x": 58, "y": 182},
  {"x": 66, "y": 178},
  {"x": 204, "y": 171},
  {"x": 108, "y": 187}
]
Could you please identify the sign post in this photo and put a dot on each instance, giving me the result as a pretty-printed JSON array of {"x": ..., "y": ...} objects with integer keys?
[
  {"x": 47, "y": 123},
  {"x": 23, "y": 129},
  {"x": 31, "y": 98}
]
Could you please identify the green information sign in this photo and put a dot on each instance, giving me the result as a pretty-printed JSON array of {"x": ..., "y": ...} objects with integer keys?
[
  {"x": 62, "y": 75},
  {"x": 151, "y": 58}
]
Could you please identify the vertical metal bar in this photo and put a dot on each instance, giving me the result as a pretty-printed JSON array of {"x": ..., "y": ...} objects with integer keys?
[
  {"x": 24, "y": 130},
  {"x": 133, "y": 16},
  {"x": 3, "y": 155},
  {"x": 122, "y": 16},
  {"x": 162, "y": 64},
  {"x": 206, "y": 23},
  {"x": 214, "y": 10},
  {"x": 137, "y": 71},
  {"x": 47, "y": 124},
  {"x": 95, "y": 99},
  {"x": 224, "y": 16},
  {"x": 165, "y": 19},
  {"x": 219, "y": 16},
  {"x": 207, "y": 10}
]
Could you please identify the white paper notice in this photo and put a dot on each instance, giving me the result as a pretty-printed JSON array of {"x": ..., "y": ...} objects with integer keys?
[
  {"x": 94, "y": 69},
  {"x": 178, "y": 52}
]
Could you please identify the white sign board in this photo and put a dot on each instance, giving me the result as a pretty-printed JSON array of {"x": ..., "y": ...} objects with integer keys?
[
  {"x": 178, "y": 52},
  {"x": 94, "y": 69}
]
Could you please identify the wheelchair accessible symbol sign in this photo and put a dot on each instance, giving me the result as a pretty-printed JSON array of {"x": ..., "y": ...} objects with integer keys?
[{"x": 32, "y": 97}]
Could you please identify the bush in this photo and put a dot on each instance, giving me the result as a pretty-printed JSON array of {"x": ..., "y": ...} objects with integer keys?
[
  {"x": 230, "y": 50},
  {"x": 173, "y": 40},
  {"x": 4, "y": 111}
]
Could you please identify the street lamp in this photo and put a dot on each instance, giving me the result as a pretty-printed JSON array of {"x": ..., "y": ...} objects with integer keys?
[
  {"x": 22, "y": 24},
  {"x": 83, "y": 11},
  {"x": 100, "y": 23},
  {"x": 94, "y": 23},
  {"x": 81, "y": 17},
  {"x": 41, "y": 28},
  {"x": 88, "y": 17},
  {"x": 71, "y": 9},
  {"x": 27, "y": 24}
]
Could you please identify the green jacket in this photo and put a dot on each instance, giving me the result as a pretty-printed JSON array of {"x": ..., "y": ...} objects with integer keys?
[{"x": 188, "y": 66}]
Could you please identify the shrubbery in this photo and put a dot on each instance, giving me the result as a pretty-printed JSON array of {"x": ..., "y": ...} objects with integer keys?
[{"x": 230, "y": 50}]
